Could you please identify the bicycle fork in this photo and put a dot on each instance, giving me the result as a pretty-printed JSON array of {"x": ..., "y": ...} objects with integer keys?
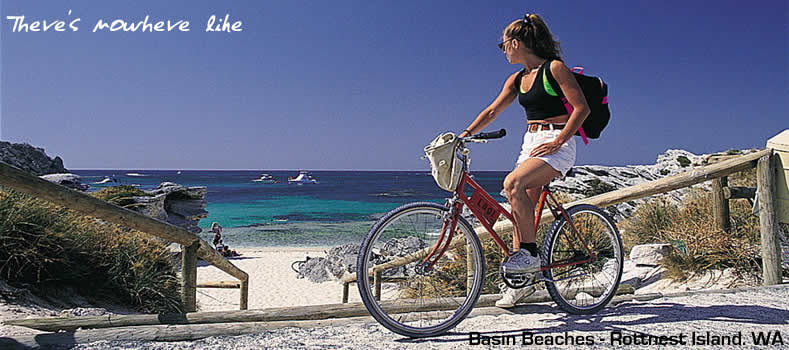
[{"x": 445, "y": 238}]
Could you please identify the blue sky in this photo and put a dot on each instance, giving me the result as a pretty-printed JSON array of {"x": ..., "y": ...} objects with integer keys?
[{"x": 366, "y": 84}]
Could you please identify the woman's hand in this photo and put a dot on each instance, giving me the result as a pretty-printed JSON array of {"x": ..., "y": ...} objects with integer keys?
[{"x": 546, "y": 149}]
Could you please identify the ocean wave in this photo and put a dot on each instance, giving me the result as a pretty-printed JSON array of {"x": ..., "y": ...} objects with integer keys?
[{"x": 135, "y": 174}]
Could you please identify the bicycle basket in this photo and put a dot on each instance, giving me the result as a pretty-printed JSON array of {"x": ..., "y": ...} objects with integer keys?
[{"x": 444, "y": 163}]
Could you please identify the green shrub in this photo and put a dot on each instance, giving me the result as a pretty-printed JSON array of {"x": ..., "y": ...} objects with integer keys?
[
  {"x": 598, "y": 187},
  {"x": 46, "y": 246},
  {"x": 119, "y": 195},
  {"x": 683, "y": 161}
]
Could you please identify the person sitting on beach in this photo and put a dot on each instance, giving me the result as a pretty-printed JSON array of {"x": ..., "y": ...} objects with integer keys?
[{"x": 216, "y": 228}]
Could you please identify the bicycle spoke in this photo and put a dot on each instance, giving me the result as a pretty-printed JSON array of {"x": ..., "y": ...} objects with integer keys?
[
  {"x": 415, "y": 301},
  {"x": 583, "y": 287}
]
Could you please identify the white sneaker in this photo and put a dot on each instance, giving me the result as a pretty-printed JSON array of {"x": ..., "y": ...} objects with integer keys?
[
  {"x": 521, "y": 262},
  {"x": 510, "y": 296}
]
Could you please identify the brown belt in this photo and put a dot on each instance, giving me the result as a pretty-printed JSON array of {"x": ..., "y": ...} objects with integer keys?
[{"x": 535, "y": 127}]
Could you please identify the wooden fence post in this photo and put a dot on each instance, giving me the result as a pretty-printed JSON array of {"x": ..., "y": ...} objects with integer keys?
[
  {"x": 189, "y": 276},
  {"x": 377, "y": 284},
  {"x": 771, "y": 251},
  {"x": 721, "y": 204},
  {"x": 469, "y": 268},
  {"x": 244, "y": 303}
]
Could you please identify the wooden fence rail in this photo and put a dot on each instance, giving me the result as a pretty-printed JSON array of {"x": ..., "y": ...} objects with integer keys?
[{"x": 192, "y": 245}]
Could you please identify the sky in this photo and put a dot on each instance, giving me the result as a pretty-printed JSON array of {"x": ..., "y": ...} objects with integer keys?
[{"x": 333, "y": 85}]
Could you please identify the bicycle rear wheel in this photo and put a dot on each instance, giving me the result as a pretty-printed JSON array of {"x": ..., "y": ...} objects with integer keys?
[
  {"x": 410, "y": 299},
  {"x": 588, "y": 287}
]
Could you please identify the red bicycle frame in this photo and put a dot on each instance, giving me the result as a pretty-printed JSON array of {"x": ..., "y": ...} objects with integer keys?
[{"x": 487, "y": 211}]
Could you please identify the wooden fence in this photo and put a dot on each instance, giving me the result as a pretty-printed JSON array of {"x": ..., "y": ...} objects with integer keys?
[
  {"x": 192, "y": 246},
  {"x": 771, "y": 258}
]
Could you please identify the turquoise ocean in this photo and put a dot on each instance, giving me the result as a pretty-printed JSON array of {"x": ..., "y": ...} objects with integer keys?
[{"x": 339, "y": 209}]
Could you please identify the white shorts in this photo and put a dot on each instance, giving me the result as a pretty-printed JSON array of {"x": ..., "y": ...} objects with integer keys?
[{"x": 562, "y": 160}]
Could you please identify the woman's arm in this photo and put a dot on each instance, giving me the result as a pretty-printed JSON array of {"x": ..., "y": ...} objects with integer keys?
[
  {"x": 576, "y": 98},
  {"x": 505, "y": 98}
]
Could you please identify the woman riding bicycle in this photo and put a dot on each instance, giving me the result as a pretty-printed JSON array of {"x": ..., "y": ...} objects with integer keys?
[{"x": 548, "y": 147}]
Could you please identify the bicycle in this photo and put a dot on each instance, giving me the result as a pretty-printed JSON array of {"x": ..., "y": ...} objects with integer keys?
[{"x": 415, "y": 290}]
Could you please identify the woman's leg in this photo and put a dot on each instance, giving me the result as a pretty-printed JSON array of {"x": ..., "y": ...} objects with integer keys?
[{"x": 522, "y": 187}]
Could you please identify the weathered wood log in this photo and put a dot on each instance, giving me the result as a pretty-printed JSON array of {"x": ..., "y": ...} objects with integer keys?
[
  {"x": 163, "y": 332},
  {"x": 189, "y": 276},
  {"x": 220, "y": 284},
  {"x": 739, "y": 192},
  {"x": 768, "y": 226},
  {"x": 244, "y": 302},
  {"x": 311, "y": 312},
  {"x": 720, "y": 204}
]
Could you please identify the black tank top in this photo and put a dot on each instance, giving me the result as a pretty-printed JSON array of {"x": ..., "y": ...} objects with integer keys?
[{"x": 537, "y": 103}]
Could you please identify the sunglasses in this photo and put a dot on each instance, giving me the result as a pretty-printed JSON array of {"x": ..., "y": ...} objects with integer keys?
[{"x": 502, "y": 45}]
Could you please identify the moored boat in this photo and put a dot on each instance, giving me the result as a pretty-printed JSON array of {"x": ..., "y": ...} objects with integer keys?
[
  {"x": 266, "y": 179},
  {"x": 304, "y": 178}
]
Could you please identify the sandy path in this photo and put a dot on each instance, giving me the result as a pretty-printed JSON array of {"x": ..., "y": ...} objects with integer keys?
[
  {"x": 272, "y": 283},
  {"x": 721, "y": 314}
]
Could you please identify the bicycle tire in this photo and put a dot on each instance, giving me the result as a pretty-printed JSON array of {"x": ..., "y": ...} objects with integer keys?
[
  {"x": 452, "y": 294},
  {"x": 597, "y": 281}
]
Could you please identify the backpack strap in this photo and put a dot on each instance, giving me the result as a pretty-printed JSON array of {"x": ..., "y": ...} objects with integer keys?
[
  {"x": 547, "y": 82},
  {"x": 518, "y": 79}
]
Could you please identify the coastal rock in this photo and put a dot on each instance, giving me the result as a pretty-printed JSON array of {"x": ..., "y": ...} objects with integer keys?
[
  {"x": 69, "y": 180},
  {"x": 84, "y": 311},
  {"x": 317, "y": 270},
  {"x": 342, "y": 259},
  {"x": 650, "y": 254},
  {"x": 30, "y": 159},
  {"x": 591, "y": 180},
  {"x": 176, "y": 204}
]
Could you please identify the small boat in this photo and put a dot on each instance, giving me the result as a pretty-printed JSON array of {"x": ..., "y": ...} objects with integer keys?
[
  {"x": 303, "y": 178},
  {"x": 106, "y": 180},
  {"x": 266, "y": 179}
]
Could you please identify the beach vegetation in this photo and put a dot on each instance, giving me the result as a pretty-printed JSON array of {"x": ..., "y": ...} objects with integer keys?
[
  {"x": 44, "y": 247},
  {"x": 690, "y": 227},
  {"x": 121, "y": 196}
]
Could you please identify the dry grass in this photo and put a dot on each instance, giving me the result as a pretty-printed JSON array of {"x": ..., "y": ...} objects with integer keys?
[
  {"x": 43, "y": 245},
  {"x": 691, "y": 228}
]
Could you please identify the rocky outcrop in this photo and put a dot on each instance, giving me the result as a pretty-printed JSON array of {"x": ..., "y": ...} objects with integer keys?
[
  {"x": 342, "y": 259},
  {"x": 650, "y": 254},
  {"x": 176, "y": 204},
  {"x": 590, "y": 180},
  {"x": 29, "y": 158},
  {"x": 69, "y": 180}
]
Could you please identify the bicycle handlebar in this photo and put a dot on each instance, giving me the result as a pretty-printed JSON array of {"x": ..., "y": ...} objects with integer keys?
[{"x": 489, "y": 135}]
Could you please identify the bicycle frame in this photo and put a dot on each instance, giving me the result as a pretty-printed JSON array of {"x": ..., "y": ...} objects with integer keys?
[{"x": 485, "y": 208}]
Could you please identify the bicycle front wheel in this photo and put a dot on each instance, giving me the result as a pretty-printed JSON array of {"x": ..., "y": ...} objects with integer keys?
[
  {"x": 583, "y": 288},
  {"x": 402, "y": 293}
]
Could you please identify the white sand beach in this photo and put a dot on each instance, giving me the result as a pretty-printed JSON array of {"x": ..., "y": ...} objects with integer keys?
[{"x": 272, "y": 283}]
